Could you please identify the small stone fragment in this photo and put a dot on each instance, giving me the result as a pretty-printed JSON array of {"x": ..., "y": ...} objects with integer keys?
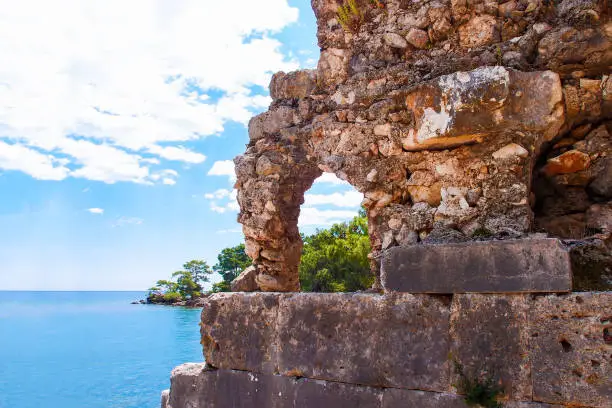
[
  {"x": 569, "y": 162},
  {"x": 395, "y": 40},
  {"x": 417, "y": 38},
  {"x": 510, "y": 151}
]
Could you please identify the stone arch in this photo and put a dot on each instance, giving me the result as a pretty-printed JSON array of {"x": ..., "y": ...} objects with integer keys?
[{"x": 272, "y": 178}]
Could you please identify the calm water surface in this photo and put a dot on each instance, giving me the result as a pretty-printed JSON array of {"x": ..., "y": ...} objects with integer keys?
[{"x": 90, "y": 349}]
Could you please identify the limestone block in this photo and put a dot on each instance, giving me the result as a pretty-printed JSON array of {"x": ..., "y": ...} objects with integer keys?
[
  {"x": 195, "y": 386},
  {"x": 297, "y": 84},
  {"x": 464, "y": 107},
  {"x": 511, "y": 266},
  {"x": 238, "y": 330},
  {"x": 392, "y": 340},
  {"x": 570, "y": 348},
  {"x": 489, "y": 340}
]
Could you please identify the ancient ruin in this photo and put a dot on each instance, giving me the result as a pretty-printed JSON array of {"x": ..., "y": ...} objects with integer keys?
[{"x": 479, "y": 133}]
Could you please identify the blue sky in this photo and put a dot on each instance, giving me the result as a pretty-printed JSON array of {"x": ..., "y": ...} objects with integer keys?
[{"x": 118, "y": 123}]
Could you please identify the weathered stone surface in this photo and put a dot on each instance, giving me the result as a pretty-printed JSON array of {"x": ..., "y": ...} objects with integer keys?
[
  {"x": 466, "y": 106},
  {"x": 489, "y": 340},
  {"x": 196, "y": 386},
  {"x": 199, "y": 386},
  {"x": 165, "y": 397},
  {"x": 238, "y": 331},
  {"x": 602, "y": 184},
  {"x": 527, "y": 265},
  {"x": 417, "y": 38},
  {"x": 245, "y": 282},
  {"x": 569, "y": 162},
  {"x": 592, "y": 265},
  {"x": 395, "y": 40},
  {"x": 480, "y": 30},
  {"x": 395, "y": 398},
  {"x": 297, "y": 84},
  {"x": 569, "y": 350},
  {"x": 392, "y": 340}
]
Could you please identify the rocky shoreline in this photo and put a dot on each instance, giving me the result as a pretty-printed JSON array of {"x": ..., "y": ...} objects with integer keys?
[{"x": 198, "y": 302}]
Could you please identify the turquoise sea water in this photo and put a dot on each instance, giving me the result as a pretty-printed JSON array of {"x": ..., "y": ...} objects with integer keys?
[{"x": 90, "y": 349}]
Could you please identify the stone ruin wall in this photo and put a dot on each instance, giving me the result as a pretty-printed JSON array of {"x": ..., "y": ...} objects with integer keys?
[
  {"x": 479, "y": 134},
  {"x": 438, "y": 112}
]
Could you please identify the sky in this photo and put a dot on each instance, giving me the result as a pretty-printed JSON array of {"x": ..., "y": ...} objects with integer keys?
[{"x": 119, "y": 121}]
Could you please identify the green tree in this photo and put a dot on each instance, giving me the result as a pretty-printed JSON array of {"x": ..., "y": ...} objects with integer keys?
[
  {"x": 230, "y": 262},
  {"x": 199, "y": 270},
  {"x": 163, "y": 285},
  {"x": 336, "y": 259},
  {"x": 186, "y": 284}
]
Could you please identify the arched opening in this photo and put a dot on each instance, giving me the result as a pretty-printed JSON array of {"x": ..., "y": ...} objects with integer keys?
[{"x": 336, "y": 245}]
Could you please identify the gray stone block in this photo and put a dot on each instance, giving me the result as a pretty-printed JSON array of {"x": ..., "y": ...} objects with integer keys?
[
  {"x": 238, "y": 330},
  {"x": 195, "y": 386},
  {"x": 489, "y": 341},
  {"x": 570, "y": 346},
  {"x": 512, "y": 266},
  {"x": 396, "y": 398},
  {"x": 398, "y": 340}
]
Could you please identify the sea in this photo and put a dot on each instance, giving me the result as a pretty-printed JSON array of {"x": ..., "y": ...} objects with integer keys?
[{"x": 90, "y": 349}]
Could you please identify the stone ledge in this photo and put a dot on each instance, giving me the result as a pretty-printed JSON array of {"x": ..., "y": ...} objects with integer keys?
[
  {"x": 195, "y": 386},
  {"x": 512, "y": 266}
]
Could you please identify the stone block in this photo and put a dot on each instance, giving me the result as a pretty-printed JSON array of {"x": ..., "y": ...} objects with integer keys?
[
  {"x": 390, "y": 341},
  {"x": 570, "y": 346},
  {"x": 195, "y": 386},
  {"x": 238, "y": 330},
  {"x": 314, "y": 393},
  {"x": 396, "y": 398},
  {"x": 511, "y": 266},
  {"x": 296, "y": 84},
  {"x": 489, "y": 341}
]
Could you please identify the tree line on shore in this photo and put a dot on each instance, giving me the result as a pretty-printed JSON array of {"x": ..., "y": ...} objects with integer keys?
[{"x": 333, "y": 260}]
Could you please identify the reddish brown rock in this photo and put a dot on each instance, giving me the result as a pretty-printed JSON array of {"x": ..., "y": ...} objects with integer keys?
[
  {"x": 479, "y": 31},
  {"x": 417, "y": 38},
  {"x": 569, "y": 162}
]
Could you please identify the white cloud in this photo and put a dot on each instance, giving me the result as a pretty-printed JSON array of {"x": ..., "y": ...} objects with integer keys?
[
  {"x": 123, "y": 221},
  {"x": 219, "y": 194},
  {"x": 314, "y": 216},
  {"x": 177, "y": 153},
  {"x": 99, "y": 211},
  {"x": 223, "y": 168},
  {"x": 38, "y": 165},
  {"x": 230, "y": 231},
  {"x": 330, "y": 178},
  {"x": 90, "y": 87},
  {"x": 222, "y": 201},
  {"x": 347, "y": 199}
]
